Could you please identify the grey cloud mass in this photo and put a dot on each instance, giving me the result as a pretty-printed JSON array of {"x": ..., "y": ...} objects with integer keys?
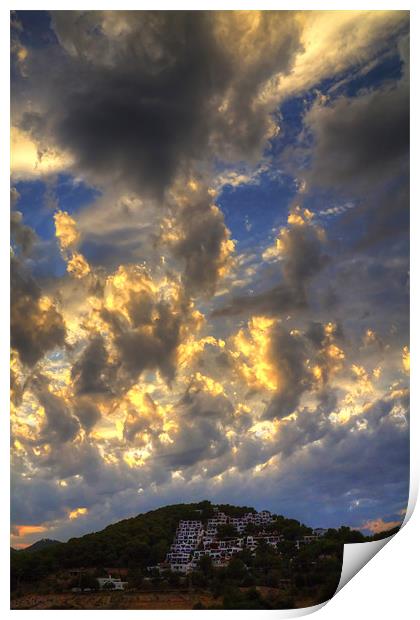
[
  {"x": 360, "y": 140},
  {"x": 303, "y": 257},
  {"x": 145, "y": 97},
  {"x": 209, "y": 273},
  {"x": 36, "y": 327}
]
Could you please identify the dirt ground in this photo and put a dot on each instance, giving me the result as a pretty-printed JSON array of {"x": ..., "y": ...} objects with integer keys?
[{"x": 114, "y": 600}]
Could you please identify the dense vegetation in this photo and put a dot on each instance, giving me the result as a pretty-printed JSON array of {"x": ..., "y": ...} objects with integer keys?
[{"x": 308, "y": 574}]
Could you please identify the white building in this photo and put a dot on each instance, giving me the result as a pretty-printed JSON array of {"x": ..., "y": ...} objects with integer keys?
[
  {"x": 192, "y": 541},
  {"x": 105, "y": 582}
]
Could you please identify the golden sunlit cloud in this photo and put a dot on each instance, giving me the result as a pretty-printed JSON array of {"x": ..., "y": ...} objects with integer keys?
[
  {"x": 77, "y": 512},
  {"x": 406, "y": 359},
  {"x": 298, "y": 218},
  {"x": 175, "y": 352},
  {"x": 66, "y": 230},
  {"x": 69, "y": 238},
  {"x": 265, "y": 430},
  {"x": 377, "y": 372},
  {"x": 364, "y": 384},
  {"x": 28, "y": 160},
  {"x": 330, "y": 358},
  {"x": 208, "y": 384},
  {"x": 370, "y": 336},
  {"x": 192, "y": 347},
  {"x": 78, "y": 266},
  {"x": 251, "y": 350},
  {"x": 334, "y": 352},
  {"x": 331, "y": 42}
]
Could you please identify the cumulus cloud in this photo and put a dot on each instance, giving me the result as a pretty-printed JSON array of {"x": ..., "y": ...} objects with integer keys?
[
  {"x": 69, "y": 239},
  {"x": 300, "y": 249},
  {"x": 139, "y": 324},
  {"x": 36, "y": 323},
  {"x": 60, "y": 425},
  {"x": 379, "y": 525},
  {"x": 286, "y": 363},
  {"x": 201, "y": 416},
  {"x": 332, "y": 42},
  {"x": 359, "y": 146},
  {"x": 23, "y": 236},
  {"x": 289, "y": 356},
  {"x": 150, "y": 90},
  {"x": 360, "y": 140},
  {"x": 129, "y": 388},
  {"x": 199, "y": 238},
  {"x": 91, "y": 372},
  {"x": 29, "y": 160},
  {"x": 87, "y": 412}
]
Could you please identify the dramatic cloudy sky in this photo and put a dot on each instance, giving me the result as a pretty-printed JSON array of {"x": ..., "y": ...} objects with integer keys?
[{"x": 209, "y": 265}]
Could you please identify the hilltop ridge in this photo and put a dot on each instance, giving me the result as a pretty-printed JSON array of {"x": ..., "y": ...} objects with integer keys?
[{"x": 145, "y": 549}]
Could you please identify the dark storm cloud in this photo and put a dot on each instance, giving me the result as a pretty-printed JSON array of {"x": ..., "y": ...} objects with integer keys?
[
  {"x": 36, "y": 325},
  {"x": 194, "y": 443},
  {"x": 146, "y": 93},
  {"x": 361, "y": 149},
  {"x": 387, "y": 214},
  {"x": 91, "y": 373},
  {"x": 60, "y": 425},
  {"x": 315, "y": 333},
  {"x": 201, "y": 434},
  {"x": 362, "y": 463},
  {"x": 304, "y": 255},
  {"x": 198, "y": 403},
  {"x": 274, "y": 301},
  {"x": 144, "y": 102},
  {"x": 345, "y": 447},
  {"x": 76, "y": 459},
  {"x": 289, "y": 438},
  {"x": 201, "y": 247},
  {"x": 144, "y": 332},
  {"x": 360, "y": 140},
  {"x": 87, "y": 412},
  {"x": 143, "y": 421},
  {"x": 140, "y": 349},
  {"x": 201, "y": 244},
  {"x": 288, "y": 353},
  {"x": 36, "y": 501}
]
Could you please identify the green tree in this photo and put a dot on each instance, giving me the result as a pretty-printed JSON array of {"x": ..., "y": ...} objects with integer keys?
[
  {"x": 226, "y": 531},
  {"x": 236, "y": 569},
  {"x": 206, "y": 565}
]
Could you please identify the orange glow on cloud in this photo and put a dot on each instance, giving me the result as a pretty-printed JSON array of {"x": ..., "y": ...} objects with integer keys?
[
  {"x": 379, "y": 525},
  {"x": 25, "y": 530}
]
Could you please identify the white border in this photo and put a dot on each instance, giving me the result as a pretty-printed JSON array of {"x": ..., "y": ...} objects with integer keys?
[{"x": 344, "y": 610}]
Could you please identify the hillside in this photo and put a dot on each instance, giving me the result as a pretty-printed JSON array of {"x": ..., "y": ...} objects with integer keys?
[
  {"x": 41, "y": 544},
  {"x": 140, "y": 541},
  {"x": 130, "y": 547}
]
